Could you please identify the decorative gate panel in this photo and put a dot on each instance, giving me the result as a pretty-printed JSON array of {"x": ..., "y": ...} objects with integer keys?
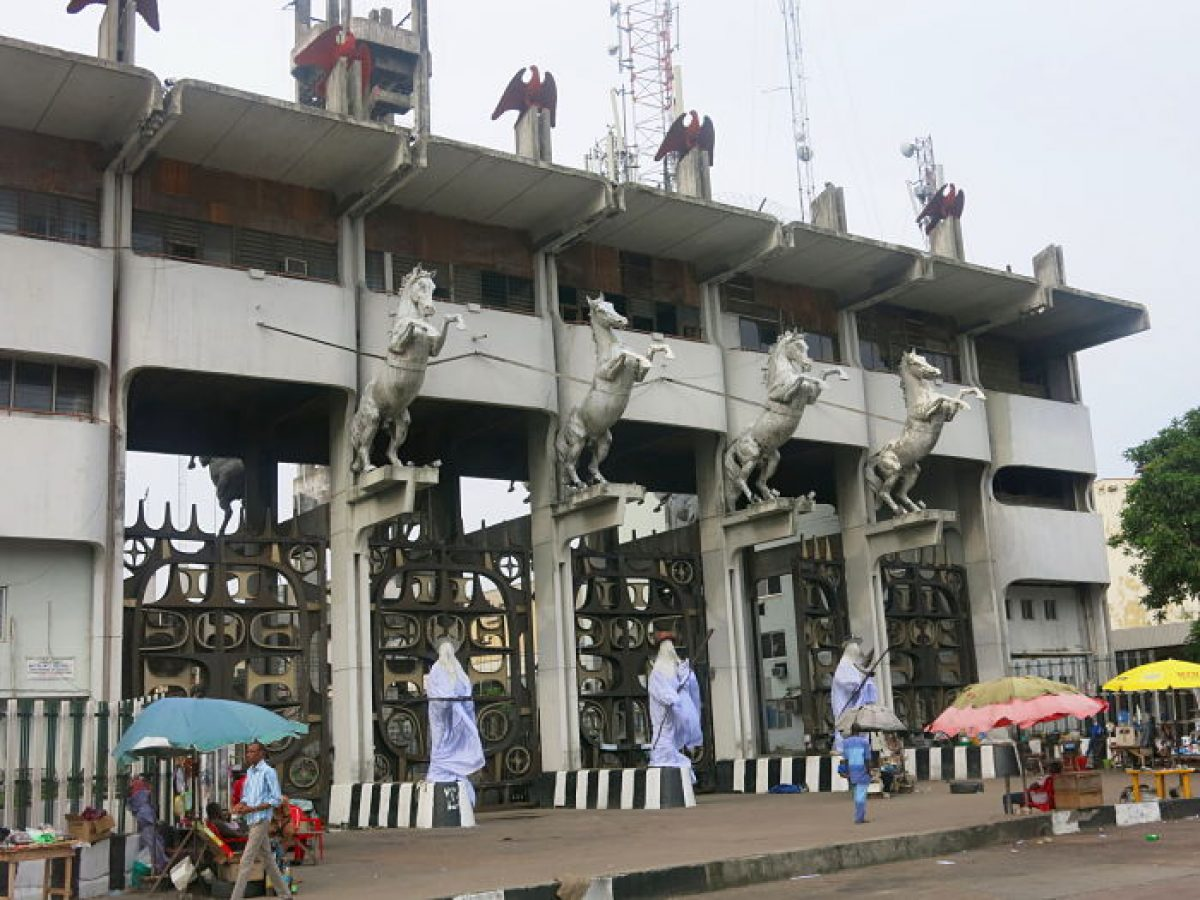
[
  {"x": 808, "y": 633},
  {"x": 241, "y": 617},
  {"x": 422, "y": 589},
  {"x": 621, "y": 599},
  {"x": 929, "y": 631}
]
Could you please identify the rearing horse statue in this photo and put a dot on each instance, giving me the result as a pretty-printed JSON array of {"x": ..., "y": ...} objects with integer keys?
[
  {"x": 387, "y": 396},
  {"x": 617, "y": 370},
  {"x": 789, "y": 390},
  {"x": 893, "y": 470}
]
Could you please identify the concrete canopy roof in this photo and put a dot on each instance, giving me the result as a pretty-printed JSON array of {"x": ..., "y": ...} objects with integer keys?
[
  {"x": 1075, "y": 320},
  {"x": 850, "y": 266},
  {"x": 463, "y": 181},
  {"x": 711, "y": 236},
  {"x": 260, "y": 137},
  {"x": 69, "y": 95}
]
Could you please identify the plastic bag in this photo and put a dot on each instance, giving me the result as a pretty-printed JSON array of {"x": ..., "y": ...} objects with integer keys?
[{"x": 183, "y": 874}]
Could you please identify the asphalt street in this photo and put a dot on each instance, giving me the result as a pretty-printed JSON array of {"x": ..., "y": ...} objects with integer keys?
[{"x": 1118, "y": 863}]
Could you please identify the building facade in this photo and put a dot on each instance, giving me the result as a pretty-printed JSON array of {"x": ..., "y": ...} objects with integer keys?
[{"x": 201, "y": 271}]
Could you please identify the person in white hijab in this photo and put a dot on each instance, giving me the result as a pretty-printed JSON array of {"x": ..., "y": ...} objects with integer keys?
[
  {"x": 674, "y": 708},
  {"x": 455, "y": 751},
  {"x": 851, "y": 674}
]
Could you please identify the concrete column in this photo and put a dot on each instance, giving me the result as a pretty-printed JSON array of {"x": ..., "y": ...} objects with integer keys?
[
  {"x": 351, "y": 706},
  {"x": 985, "y": 595},
  {"x": 558, "y": 716},
  {"x": 828, "y": 209},
  {"x": 533, "y": 135},
  {"x": 692, "y": 175},
  {"x": 947, "y": 240},
  {"x": 730, "y": 658},
  {"x": 864, "y": 587}
]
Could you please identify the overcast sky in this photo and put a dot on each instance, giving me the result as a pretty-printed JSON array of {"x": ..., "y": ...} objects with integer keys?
[{"x": 1071, "y": 122}]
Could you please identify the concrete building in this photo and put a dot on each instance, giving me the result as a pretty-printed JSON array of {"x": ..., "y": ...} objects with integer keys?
[{"x": 199, "y": 270}]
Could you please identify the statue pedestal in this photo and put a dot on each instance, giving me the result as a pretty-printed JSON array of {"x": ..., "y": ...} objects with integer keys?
[
  {"x": 404, "y": 804},
  {"x": 908, "y": 532},
  {"x": 656, "y": 787},
  {"x": 768, "y": 520},
  {"x": 594, "y": 508},
  {"x": 388, "y": 480}
]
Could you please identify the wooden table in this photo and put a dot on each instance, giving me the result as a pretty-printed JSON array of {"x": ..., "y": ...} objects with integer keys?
[
  {"x": 47, "y": 853},
  {"x": 1160, "y": 781}
]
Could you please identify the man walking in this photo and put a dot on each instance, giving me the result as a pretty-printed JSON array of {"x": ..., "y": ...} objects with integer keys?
[
  {"x": 259, "y": 798},
  {"x": 857, "y": 751}
]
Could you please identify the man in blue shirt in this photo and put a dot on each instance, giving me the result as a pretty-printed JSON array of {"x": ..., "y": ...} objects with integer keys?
[
  {"x": 260, "y": 796},
  {"x": 856, "y": 750}
]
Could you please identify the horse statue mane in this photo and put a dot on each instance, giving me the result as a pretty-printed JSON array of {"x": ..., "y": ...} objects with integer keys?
[
  {"x": 412, "y": 342},
  {"x": 589, "y": 424},
  {"x": 893, "y": 470},
  {"x": 790, "y": 389}
]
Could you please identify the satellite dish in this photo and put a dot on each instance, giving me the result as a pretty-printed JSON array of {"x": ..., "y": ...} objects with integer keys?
[
  {"x": 907, "y": 150},
  {"x": 804, "y": 152}
]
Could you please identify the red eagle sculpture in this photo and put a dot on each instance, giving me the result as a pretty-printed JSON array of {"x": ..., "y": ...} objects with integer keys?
[
  {"x": 147, "y": 9},
  {"x": 325, "y": 50},
  {"x": 947, "y": 203},
  {"x": 683, "y": 137},
  {"x": 539, "y": 91}
]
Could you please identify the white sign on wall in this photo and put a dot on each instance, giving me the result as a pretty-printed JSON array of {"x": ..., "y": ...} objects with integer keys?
[{"x": 49, "y": 668}]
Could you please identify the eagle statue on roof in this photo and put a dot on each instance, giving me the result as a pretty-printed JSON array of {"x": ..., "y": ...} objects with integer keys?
[
  {"x": 319, "y": 56},
  {"x": 686, "y": 134},
  {"x": 539, "y": 92},
  {"x": 947, "y": 203},
  {"x": 147, "y": 9}
]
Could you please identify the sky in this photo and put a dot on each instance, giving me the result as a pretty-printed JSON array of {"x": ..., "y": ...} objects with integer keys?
[{"x": 1070, "y": 122}]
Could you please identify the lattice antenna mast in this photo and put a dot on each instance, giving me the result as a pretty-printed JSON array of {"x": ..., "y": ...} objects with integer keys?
[
  {"x": 647, "y": 38},
  {"x": 805, "y": 182},
  {"x": 929, "y": 174}
]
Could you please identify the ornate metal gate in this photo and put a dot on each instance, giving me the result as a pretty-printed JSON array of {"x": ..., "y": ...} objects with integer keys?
[
  {"x": 240, "y": 617},
  {"x": 621, "y": 599},
  {"x": 929, "y": 631},
  {"x": 422, "y": 589},
  {"x": 821, "y": 624}
]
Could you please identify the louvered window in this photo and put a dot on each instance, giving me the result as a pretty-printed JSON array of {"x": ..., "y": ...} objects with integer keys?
[
  {"x": 36, "y": 386},
  {"x": 50, "y": 216},
  {"x": 374, "y": 276},
  {"x": 467, "y": 284}
]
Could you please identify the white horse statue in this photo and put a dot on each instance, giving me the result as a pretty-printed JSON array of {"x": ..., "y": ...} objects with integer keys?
[
  {"x": 789, "y": 390},
  {"x": 228, "y": 476},
  {"x": 386, "y": 398},
  {"x": 617, "y": 370},
  {"x": 893, "y": 471}
]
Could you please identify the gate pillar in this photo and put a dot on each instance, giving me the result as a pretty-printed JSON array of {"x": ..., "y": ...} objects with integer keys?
[{"x": 355, "y": 508}]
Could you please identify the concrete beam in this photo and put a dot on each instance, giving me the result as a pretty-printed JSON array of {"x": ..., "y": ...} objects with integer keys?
[
  {"x": 917, "y": 273},
  {"x": 407, "y": 164},
  {"x": 774, "y": 245},
  {"x": 561, "y": 236},
  {"x": 909, "y": 532},
  {"x": 595, "y": 508}
]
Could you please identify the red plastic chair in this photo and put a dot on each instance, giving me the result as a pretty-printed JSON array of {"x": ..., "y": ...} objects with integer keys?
[{"x": 309, "y": 830}]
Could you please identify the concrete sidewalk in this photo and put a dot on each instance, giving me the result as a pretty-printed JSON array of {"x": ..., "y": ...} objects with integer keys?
[{"x": 538, "y": 847}]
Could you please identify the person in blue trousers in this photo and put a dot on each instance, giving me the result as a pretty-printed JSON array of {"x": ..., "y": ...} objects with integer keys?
[{"x": 856, "y": 750}]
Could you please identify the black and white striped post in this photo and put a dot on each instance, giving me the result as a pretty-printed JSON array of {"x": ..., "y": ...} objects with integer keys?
[{"x": 406, "y": 804}]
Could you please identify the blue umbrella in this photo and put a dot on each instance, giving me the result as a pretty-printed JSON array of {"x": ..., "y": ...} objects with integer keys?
[{"x": 183, "y": 724}]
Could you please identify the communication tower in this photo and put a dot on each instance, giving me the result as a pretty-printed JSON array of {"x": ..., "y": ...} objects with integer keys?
[
  {"x": 929, "y": 173},
  {"x": 647, "y": 38},
  {"x": 805, "y": 182}
]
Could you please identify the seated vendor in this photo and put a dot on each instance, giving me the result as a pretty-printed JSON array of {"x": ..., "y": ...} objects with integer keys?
[
  {"x": 219, "y": 822},
  {"x": 1039, "y": 796}
]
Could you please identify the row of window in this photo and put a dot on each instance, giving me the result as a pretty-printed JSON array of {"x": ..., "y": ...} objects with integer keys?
[
  {"x": 644, "y": 314},
  {"x": 457, "y": 283},
  {"x": 1028, "y": 608},
  {"x": 46, "y": 387},
  {"x": 227, "y": 245},
  {"x": 49, "y": 216}
]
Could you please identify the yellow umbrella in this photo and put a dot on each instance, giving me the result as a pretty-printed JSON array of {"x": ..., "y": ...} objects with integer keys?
[{"x": 1164, "y": 675}]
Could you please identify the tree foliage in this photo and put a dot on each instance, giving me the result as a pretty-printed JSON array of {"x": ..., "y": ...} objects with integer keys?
[{"x": 1160, "y": 523}]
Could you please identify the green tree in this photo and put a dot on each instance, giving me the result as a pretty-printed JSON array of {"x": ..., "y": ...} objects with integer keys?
[{"x": 1160, "y": 523}]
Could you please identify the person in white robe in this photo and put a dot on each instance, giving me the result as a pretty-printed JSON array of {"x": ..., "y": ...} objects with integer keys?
[
  {"x": 455, "y": 751},
  {"x": 674, "y": 709},
  {"x": 852, "y": 673}
]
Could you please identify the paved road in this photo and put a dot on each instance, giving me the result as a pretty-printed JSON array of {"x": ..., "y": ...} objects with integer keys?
[{"x": 1118, "y": 864}]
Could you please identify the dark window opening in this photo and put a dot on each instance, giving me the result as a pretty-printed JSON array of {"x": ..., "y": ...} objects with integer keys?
[
  {"x": 773, "y": 644},
  {"x": 1045, "y": 488},
  {"x": 375, "y": 276},
  {"x": 1027, "y": 608},
  {"x": 32, "y": 386},
  {"x": 50, "y": 216},
  {"x": 1050, "y": 608}
]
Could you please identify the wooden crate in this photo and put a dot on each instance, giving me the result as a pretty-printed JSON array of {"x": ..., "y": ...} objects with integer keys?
[{"x": 1078, "y": 790}]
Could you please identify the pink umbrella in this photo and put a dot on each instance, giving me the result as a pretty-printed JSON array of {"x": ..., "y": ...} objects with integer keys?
[{"x": 1019, "y": 700}]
